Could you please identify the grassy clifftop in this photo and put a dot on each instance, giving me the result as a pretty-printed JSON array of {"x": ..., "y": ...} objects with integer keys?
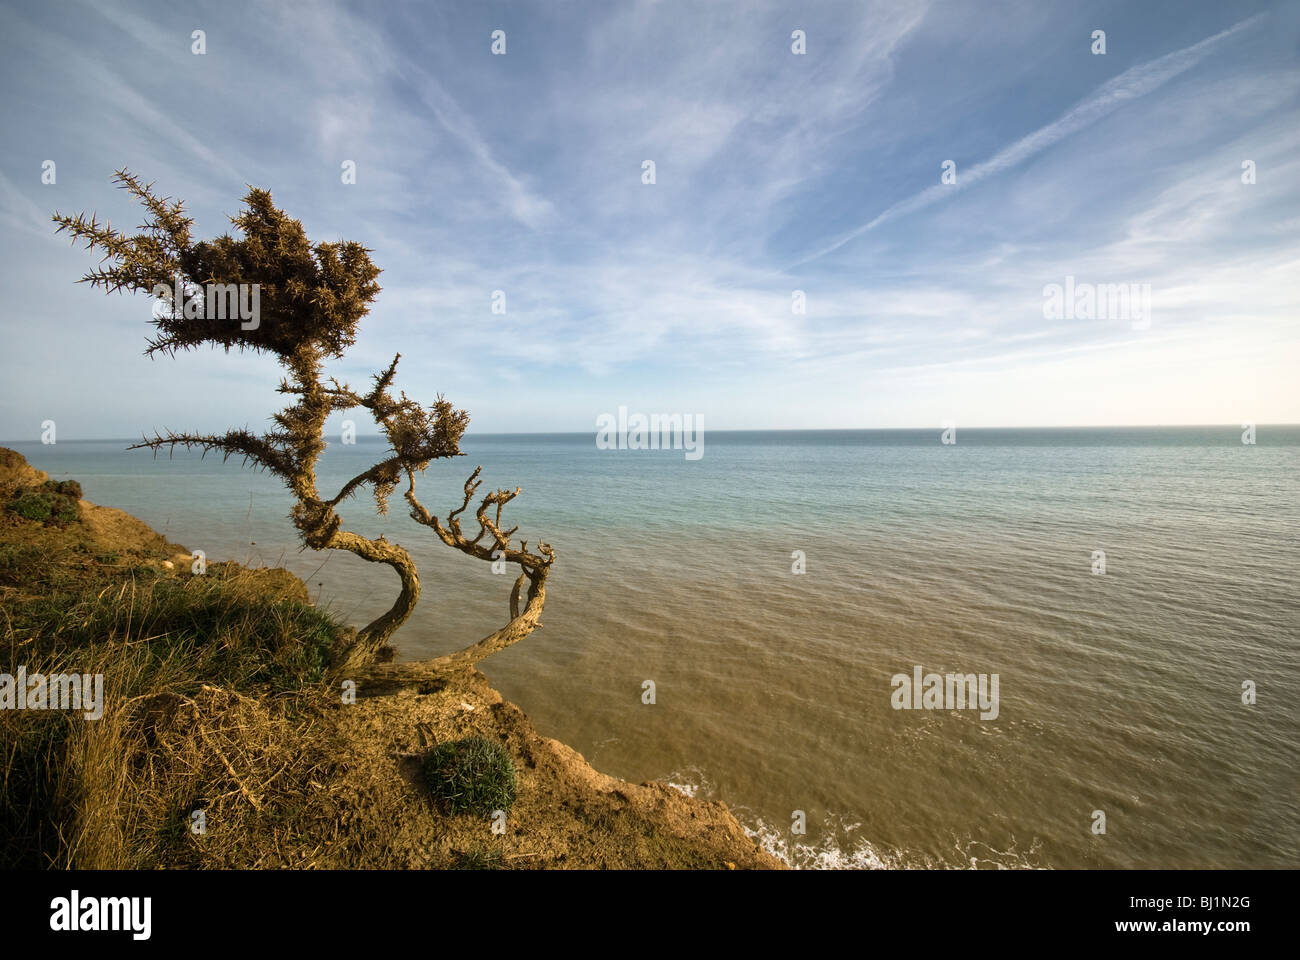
[{"x": 226, "y": 742}]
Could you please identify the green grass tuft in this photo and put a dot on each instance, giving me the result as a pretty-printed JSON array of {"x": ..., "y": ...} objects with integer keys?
[{"x": 472, "y": 775}]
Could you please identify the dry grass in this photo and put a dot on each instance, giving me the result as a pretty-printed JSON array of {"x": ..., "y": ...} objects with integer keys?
[
  {"x": 135, "y": 783},
  {"x": 214, "y": 701}
]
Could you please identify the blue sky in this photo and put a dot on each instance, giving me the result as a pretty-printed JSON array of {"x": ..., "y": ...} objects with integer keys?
[{"x": 774, "y": 172}]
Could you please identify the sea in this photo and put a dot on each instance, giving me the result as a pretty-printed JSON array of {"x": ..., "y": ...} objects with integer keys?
[{"x": 740, "y": 625}]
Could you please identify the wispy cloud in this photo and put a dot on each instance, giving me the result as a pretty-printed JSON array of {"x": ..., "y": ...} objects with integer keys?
[
  {"x": 776, "y": 172},
  {"x": 1132, "y": 84}
]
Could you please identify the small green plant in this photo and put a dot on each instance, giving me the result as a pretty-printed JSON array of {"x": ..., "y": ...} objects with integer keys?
[
  {"x": 472, "y": 775},
  {"x": 64, "y": 488},
  {"x": 55, "y": 502},
  {"x": 32, "y": 506}
]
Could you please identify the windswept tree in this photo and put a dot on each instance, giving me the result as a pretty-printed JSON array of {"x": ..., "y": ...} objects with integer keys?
[{"x": 307, "y": 301}]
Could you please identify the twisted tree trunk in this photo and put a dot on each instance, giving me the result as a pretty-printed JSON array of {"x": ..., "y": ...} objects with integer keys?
[
  {"x": 376, "y": 679},
  {"x": 385, "y": 677},
  {"x": 373, "y": 637}
]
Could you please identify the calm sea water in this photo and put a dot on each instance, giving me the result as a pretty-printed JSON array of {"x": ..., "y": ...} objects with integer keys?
[{"x": 1119, "y": 692}]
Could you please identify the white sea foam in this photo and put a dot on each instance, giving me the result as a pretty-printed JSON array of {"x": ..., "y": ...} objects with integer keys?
[
  {"x": 823, "y": 854},
  {"x": 692, "y": 782},
  {"x": 837, "y": 849}
]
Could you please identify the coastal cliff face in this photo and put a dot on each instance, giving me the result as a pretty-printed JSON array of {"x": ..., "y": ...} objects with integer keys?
[{"x": 226, "y": 742}]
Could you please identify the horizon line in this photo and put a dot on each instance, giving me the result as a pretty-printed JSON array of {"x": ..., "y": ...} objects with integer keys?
[{"x": 958, "y": 426}]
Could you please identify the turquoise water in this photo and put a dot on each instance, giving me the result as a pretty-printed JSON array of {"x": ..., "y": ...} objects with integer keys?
[{"x": 1118, "y": 692}]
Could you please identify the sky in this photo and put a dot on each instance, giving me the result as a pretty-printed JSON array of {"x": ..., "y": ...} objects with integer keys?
[{"x": 774, "y": 172}]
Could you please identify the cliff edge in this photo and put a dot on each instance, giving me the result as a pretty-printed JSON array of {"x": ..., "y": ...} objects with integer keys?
[{"x": 224, "y": 743}]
